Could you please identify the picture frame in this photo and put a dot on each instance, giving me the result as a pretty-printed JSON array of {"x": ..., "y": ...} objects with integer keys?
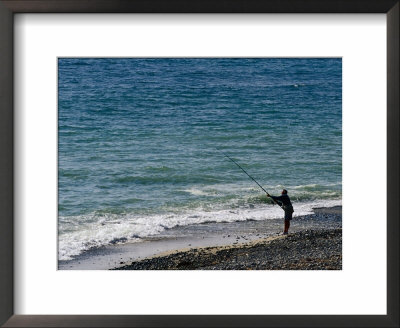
[{"x": 10, "y": 7}]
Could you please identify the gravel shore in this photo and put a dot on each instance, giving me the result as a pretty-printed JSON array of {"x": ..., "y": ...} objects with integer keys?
[{"x": 305, "y": 250}]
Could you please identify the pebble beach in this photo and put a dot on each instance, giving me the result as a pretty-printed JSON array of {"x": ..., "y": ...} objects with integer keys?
[
  {"x": 309, "y": 249},
  {"x": 314, "y": 242}
]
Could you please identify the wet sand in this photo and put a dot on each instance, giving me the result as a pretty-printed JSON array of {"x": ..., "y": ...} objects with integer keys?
[
  {"x": 306, "y": 250},
  {"x": 196, "y": 238}
]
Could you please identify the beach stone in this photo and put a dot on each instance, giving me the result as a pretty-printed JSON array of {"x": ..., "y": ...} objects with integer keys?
[{"x": 303, "y": 250}]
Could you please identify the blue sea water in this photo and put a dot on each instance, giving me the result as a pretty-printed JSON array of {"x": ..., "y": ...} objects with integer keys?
[{"x": 142, "y": 142}]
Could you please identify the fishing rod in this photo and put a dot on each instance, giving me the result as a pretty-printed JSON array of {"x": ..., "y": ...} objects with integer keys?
[{"x": 252, "y": 179}]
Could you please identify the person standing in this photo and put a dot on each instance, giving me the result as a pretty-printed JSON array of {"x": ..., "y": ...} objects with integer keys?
[{"x": 284, "y": 202}]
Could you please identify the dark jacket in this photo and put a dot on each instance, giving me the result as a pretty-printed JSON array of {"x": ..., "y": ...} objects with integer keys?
[{"x": 284, "y": 201}]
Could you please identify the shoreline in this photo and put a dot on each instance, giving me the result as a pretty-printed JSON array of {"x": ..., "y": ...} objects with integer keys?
[
  {"x": 306, "y": 250},
  {"x": 186, "y": 238}
]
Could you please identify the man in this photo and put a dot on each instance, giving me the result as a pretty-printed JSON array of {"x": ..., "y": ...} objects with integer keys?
[{"x": 284, "y": 202}]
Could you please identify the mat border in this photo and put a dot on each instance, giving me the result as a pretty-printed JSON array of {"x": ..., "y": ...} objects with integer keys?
[{"x": 10, "y": 7}]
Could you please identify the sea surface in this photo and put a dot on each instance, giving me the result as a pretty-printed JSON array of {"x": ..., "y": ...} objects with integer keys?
[{"x": 142, "y": 143}]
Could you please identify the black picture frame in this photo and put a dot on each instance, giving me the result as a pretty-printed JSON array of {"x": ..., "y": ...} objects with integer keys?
[{"x": 10, "y": 7}]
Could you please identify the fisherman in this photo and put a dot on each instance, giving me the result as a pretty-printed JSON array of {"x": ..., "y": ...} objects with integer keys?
[{"x": 284, "y": 202}]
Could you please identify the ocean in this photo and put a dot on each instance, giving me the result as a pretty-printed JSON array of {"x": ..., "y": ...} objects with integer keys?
[{"x": 141, "y": 143}]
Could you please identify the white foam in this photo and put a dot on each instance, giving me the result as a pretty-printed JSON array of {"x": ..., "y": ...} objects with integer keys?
[
  {"x": 130, "y": 227},
  {"x": 197, "y": 192}
]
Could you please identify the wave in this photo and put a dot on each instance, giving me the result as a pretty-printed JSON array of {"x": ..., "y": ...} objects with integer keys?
[
  {"x": 80, "y": 233},
  {"x": 253, "y": 194},
  {"x": 144, "y": 180}
]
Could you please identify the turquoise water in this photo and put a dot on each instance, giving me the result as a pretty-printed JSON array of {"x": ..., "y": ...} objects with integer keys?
[{"x": 141, "y": 143}]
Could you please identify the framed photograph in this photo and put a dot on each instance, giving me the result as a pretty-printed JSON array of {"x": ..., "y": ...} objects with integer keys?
[
  {"x": 196, "y": 164},
  {"x": 162, "y": 179}
]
